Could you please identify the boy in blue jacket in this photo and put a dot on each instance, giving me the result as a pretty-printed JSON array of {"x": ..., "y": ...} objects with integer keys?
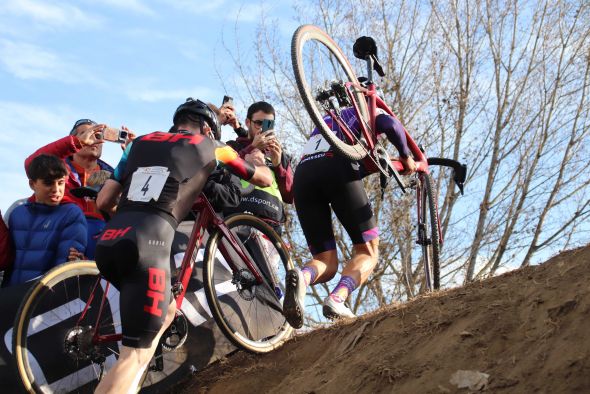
[{"x": 48, "y": 230}]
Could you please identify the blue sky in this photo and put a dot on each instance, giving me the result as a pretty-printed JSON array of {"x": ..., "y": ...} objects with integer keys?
[{"x": 118, "y": 62}]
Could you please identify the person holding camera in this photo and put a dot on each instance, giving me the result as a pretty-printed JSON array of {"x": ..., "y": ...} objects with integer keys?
[
  {"x": 81, "y": 151},
  {"x": 261, "y": 146}
]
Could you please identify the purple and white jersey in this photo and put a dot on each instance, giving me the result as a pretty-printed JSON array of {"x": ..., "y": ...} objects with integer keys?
[{"x": 385, "y": 124}]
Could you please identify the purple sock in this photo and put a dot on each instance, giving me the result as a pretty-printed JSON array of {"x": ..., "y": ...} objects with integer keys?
[
  {"x": 345, "y": 286},
  {"x": 309, "y": 273}
]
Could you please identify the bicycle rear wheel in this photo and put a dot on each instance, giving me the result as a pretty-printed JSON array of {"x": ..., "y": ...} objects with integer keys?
[
  {"x": 54, "y": 351},
  {"x": 317, "y": 60},
  {"x": 248, "y": 313},
  {"x": 428, "y": 233}
]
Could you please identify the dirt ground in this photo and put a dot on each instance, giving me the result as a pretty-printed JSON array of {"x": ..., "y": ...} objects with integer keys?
[{"x": 528, "y": 330}]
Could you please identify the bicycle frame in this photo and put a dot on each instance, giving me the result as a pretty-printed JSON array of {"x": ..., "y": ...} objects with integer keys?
[{"x": 206, "y": 219}]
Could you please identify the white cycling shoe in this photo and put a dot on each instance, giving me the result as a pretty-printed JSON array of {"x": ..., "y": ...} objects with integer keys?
[
  {"x": 336, "y": 310},
  {"x": 294, "y": 302}
]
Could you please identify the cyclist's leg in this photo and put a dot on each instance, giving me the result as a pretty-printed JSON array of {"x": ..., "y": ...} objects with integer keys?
[
  {"x": 315, "y": 217},
  {"x": 144, "y": 286},
  {"x": 125, "y": 375},
  {"x": 352, "y": 208}
]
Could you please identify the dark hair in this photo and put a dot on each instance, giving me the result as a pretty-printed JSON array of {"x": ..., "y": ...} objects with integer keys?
[
  {"x": 46, "y": 167},
  {"x": 260, "y": 106}
]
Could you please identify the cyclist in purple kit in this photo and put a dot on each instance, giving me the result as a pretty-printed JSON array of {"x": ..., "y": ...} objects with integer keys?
[{"x": 325, "y": 181}]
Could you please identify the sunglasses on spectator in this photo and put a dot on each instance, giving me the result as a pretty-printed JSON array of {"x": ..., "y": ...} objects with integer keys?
[{"x": 258, "y": 122}]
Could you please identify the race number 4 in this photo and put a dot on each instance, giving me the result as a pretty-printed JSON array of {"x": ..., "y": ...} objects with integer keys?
[{"x": 147, "y": 183}]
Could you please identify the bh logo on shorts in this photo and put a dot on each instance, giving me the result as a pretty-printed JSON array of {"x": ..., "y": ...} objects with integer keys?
[{"x": 155, "y": 292}]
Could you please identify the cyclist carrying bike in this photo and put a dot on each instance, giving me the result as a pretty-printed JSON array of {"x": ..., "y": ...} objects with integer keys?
[
  {"x": 325, "y": 180},
  {"x": 158, "y": 179}
]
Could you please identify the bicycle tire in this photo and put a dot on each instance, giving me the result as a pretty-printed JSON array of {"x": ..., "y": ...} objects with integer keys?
[
  {"x": 43, "y": 302},
  {"x": 50, "y": 300},
  {"x": 430, "y": 236},
  {"x": 250, "y": 316},
  {"x": 310, "y": 33}
]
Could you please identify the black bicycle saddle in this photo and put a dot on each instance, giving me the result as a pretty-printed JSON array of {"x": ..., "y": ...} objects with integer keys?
[{"x": 365, "y": 48}]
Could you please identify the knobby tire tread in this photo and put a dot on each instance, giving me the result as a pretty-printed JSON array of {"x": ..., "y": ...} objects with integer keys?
[
  {"x": 210, "y": 293},
  {"x": 300, "y": 37}
]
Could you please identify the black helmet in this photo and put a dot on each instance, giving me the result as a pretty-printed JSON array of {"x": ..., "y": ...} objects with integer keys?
[{"x": 199, "y": 108}]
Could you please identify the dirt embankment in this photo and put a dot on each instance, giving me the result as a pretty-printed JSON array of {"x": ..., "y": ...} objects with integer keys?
[{"x": 528, "y": 330}]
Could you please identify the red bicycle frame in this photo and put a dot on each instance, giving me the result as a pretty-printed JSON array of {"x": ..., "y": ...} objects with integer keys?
[{"x": 206, "y": 219}]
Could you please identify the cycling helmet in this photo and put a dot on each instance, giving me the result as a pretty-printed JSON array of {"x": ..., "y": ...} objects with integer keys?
[{"x": 199, "y": 108}]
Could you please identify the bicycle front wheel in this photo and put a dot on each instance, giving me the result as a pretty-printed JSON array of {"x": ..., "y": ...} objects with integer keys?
[
  {"x": 317, "y": 61},
  {"x": 53, "y": 331},
  {"x": 250, "y": 314},
  {"x": 428, "y": 233}
]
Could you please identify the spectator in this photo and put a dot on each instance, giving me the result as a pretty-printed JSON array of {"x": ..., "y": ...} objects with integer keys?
[
  {"x": 46, "y": 230},
  {"x": 265, "y": 203},
  {"x": 81, "y": 153},
  {"x": 6, "y": 249}
]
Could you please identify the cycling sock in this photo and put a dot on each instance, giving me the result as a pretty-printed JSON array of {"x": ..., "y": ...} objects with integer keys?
[
  {"x": 345, "y": 286},
  {"x": 309, "y": 274}
]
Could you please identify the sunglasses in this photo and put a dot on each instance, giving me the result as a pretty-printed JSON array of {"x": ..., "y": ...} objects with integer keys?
[{"x": 257, "y": 122}]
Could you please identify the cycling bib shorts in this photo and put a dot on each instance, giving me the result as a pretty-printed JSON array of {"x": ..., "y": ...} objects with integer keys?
[
  {"x": 325, "y": 180},
  {"x": 133, "y": 253}
]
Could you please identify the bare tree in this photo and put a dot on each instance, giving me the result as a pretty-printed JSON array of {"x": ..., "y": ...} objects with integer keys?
[{"x": 501, "y": 85}]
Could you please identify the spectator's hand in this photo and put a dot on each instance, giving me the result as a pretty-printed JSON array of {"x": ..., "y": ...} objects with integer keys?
[
  {"x": 262, "y": 140},
  {"x": 87, "y": 137},
  {"x": 130, "y": 137},
  {"x": 74, "y": 255},
  {"x": 227, "y": 116},
  {"x": 256, "y": 157},
  {"x": 409, "y": 165},
  {"x": 275, "y": 151}
]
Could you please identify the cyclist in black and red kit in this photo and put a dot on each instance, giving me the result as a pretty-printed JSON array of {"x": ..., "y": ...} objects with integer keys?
[
  {"x": 325, "y": 182},
  {"x": 158, "y": 179}
]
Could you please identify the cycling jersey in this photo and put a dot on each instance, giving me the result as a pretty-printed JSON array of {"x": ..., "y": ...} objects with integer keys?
[
  {"x": 384, "y": 123},
  {"x": 166, "y": 171}
]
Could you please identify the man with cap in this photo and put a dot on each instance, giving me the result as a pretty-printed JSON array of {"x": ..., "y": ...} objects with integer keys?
[{"x": 81, "y": 152}]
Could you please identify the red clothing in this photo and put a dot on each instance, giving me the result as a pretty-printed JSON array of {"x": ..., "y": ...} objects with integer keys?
[
  {"x": 64, "y": 148},
  {"x": 6, "y": 247}
]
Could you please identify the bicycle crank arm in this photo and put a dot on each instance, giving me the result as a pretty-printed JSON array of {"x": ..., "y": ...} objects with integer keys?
[{"x": 459, "y": 170}]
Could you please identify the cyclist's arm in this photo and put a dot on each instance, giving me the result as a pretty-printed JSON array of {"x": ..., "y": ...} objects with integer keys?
[
  {"x": 395, "y": 133},
  {"x": 227, "y": 157},
  {"x": 108, "y": 197}
]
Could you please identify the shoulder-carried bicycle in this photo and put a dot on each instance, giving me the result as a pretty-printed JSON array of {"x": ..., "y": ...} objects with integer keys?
[
  {"x": 328, "y": 85},
  {"x": 245, "y": 264}
]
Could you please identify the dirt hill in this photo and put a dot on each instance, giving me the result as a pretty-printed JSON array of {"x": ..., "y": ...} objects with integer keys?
[{"x": 528, "y": 330}]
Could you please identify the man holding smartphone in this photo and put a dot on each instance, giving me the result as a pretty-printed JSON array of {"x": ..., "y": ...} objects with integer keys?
[{"x": 261, "y": 147}]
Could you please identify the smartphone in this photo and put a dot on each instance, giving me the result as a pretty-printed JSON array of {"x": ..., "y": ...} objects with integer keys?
[
  {"x": 227, "y": 100},
  {"x": 267, "y": 124},
  {"x": 115, "y": 135}
]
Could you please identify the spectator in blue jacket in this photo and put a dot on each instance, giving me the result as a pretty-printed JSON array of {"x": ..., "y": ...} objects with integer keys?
[{"x": 49, "y": 229}]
